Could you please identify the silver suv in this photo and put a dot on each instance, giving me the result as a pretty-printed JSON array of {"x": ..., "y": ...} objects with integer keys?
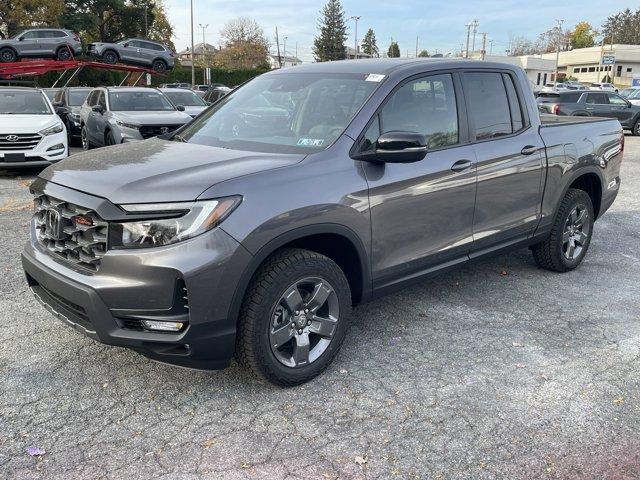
[
  {"x": 40, "y": 42},
  {"x": 135, "y": 51},
  {"x": 112, "y": 115}
]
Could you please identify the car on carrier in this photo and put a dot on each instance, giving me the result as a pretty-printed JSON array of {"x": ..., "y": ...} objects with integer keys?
[
  {"x": 57, "y": 43},
  {"x": 253, "y": 230},
  {"x": 31, "y": 134},
  {"x": 112, "y": 115},
  {"x": 135, "y": 51}
]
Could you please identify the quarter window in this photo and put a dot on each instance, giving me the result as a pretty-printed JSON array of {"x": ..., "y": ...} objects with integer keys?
[
  {"x": 517, "y": 115},
  {"x": 426, "y": 106},
  {"x": 488, "y": 104}
]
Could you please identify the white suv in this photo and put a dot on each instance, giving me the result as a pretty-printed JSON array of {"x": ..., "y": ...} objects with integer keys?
[{"x": 31, "y": 134}]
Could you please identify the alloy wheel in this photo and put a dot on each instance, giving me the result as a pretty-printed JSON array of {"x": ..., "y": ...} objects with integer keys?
[
  {"x": 576, "y": 232},
  {"x": 84, "y": 139},
  {"x": 303, "y": 322}
]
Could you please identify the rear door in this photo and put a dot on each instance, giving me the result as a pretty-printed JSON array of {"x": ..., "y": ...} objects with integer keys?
[
  {"x": 597, "y": 104},
  {"x": 130, "y": 51},
  {"x": 510, "y": 156},
  {"x": 422, "y": 212}
]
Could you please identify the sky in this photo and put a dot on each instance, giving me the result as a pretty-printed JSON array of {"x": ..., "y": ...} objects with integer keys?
[{"x": 439, "y": 26}]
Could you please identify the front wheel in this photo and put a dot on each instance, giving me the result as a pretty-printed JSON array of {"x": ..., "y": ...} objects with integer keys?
[
  {"x": 84, "y": 137},
  {"x": 570, "y": 236},
  {"x": 110, "y": 57},
  {"x": 159, "y": 66},
  {"x": 64, "y": 53},
  {"x": 294, "y": 317},
  {"x": 636, "y": 128}
]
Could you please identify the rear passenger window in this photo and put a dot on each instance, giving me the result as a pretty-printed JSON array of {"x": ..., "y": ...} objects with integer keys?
[
  {"x": 597, "y": 98},
  {"x": 488, "y": 104},
  {"x": 426, "y": 106},
  {"x": 517, "y": 116}
]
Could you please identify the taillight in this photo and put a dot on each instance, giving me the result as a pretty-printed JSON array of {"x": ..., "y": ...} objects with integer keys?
[{"x": 555, "y": 109}]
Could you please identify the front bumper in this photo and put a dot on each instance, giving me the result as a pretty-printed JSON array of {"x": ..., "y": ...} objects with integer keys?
[
  {"x": 41, "y": 155},
  {"x": 133, "y": 283}
]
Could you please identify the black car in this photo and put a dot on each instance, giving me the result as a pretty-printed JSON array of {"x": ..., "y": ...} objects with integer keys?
[
  {"x": 67, "y": 102},
  {"x": 216, "y": 93},
  {"x": 592, "y": 104}
]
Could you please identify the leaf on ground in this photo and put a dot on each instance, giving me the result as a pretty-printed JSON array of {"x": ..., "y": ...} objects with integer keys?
[
  {"x": 520, "y": 365},
  {"x": 504, "y": 273},
  {"x": 517, "y": 344},
  {"x": 208, "y": 443},
  {"x": 360, "y": 460},
  {"x": 618, "y": 400},
  {"x": 35, "y": 451}
]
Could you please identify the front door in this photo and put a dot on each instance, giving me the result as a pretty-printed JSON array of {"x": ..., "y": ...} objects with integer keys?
[
  {"x": 620, "y": 108},
  {"x": 422, "y": 212},
  {"x": 510, "y": 160},
  {"x": 28, "y": 44}
]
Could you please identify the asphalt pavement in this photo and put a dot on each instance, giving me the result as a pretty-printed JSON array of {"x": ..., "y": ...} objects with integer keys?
[{"x": 497, "y": 370}]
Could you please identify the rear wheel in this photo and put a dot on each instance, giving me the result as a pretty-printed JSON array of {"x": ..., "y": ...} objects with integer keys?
[
  {"x": 110, "y": 57},
  {"x": 63, "y": 53},
  {"x": 570, "y": 235},
  {"x": 8, "y": 55},
  {"x": 636, "y": 128},
  {"x": 159, "y": 66},
  {"x": 294, "y": 317}
]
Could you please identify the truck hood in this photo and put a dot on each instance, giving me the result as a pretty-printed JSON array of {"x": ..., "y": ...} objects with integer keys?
[
  {"x": 27, "y": 123},
  {"x": 169, "y": 117},
  {"x": 157, "y": 170}
]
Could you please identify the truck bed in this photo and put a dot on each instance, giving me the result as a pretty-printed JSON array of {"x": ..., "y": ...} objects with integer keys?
[{"x": 559, "y": 120}]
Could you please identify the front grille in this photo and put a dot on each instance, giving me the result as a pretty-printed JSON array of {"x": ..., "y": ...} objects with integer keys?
[
  {"x": 78, "y": 236},
  {"x": 148, "y": 131},
  {"x": 19, "y": 141},
  {"x": 61, "y": 306}
]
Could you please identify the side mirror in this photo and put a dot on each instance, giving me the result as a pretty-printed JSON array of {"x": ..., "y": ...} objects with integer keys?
[
  {"x": 98, "y": 109},
  {"x": 180, "y": 108},
  {"x": 20, "y": 39},
  {"x": 401, "y": 147}
]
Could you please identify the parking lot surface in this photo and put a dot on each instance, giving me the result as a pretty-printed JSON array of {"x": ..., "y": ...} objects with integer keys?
[{"x": 498, "y": 370}]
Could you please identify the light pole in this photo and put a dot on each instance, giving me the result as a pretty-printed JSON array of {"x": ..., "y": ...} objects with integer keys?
[
  {"x": 193, "y": 58},
  {"x": 204, "y": 53},
  {"x": 284, "y": 50},
  {"x": 559, "y": 37},
  {"x": 475, "y": 25},
  {"x": 466, "y": 52},
  {"x": 355, "y": 18}
]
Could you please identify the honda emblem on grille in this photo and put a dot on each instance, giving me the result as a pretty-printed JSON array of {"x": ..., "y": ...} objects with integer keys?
[
  {"x": 12, "y": 138},
  {"x": 52, "y": 224}
]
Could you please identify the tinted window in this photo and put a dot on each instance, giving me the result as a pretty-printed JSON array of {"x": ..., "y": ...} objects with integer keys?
[
  {"x": 597, "y": 98},
  {"x": 139, "y": 101},
  {"x": 133, "y": 43},
  {"x": 426, "y": 106},
  {"x": 570, "y": 97},
  {"x": 59, "y": 34},
  {"x": 488, "y": 104},
  {"x": 154, "y": 46},
  {"x": 77, "y": 96},
  {"x": 517, "y": 116}
]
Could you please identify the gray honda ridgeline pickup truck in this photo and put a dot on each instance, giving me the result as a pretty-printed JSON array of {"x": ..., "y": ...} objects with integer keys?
[{"x": 256, "y": 227}]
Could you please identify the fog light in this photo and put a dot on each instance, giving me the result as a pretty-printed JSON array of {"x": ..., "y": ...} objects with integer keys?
[
  {"x": 56, "y": 147},
  {"x": 163, "y": 326}
]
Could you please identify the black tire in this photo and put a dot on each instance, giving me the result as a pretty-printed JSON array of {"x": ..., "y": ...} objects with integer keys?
[
  {"x": 8, "y": 55},
  {"x": 254, "y": 342},
  {"x": 84, "y": 138},
  {"x": 109, "y": 139},
  {"x": 636, "y": 128},
  {"x": 110, "y": 57},
  {"x": 159, "y": 66},
  {"x": 64, "y": 53},
  {"x": 553, "y": 253}
]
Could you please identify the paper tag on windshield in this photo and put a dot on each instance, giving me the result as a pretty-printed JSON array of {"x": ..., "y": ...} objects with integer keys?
[{"x": 374, "y": 77}]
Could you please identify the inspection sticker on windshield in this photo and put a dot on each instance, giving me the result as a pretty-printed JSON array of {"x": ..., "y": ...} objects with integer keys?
[
  {"x": 374, "y": 77},
  {"x": 310, "y": 142}
]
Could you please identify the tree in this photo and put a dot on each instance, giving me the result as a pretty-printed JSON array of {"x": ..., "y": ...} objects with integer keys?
[
  {"x": 245, "y": 45},
  {"x": 329, "y": 44},
  {"x": 522, "y": 46},
  {"x": 424, "y": 54},
  {"x": 369, "y": 45},
  {"x": 583, "y": 35},
  {"x": 553, "y": 39},
  {"x": 161, "y": 30},
  {"x": 394, "y": 50},
  {"x": 623, "y": 27},
  {"x": 15, "y": 14},
  {"x": 243, "y": 30}
]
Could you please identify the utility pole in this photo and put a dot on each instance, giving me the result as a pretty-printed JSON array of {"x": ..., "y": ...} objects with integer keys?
[
  {"x": 193, "y": 58},
  {"x": 416, "y": 46},
  {"x": 278, "y": 45},
  {"x": 296, "y": 51},
  {"x": 146, "y": 28},
  {"x": 466, "y": 52},
  {"x": 490, "y": 47},
  {"x": 484, "y": 46},
  {"x": 204, "y": 53},
  {"x": 284, "y": 50},
  {"x": 355, "y": 18},
  {"x": 475, "y": 24},
  {"x": 559, "y": 22}
]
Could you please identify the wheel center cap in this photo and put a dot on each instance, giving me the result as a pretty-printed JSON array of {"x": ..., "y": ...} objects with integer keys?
[{"x": 301, "y": 320}]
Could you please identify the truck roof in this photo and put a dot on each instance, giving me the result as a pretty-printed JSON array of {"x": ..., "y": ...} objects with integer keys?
[{"x": 386, "y": 66}]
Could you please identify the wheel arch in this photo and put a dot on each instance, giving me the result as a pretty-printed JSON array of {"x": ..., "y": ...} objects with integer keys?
[
  {"x": 337, "y": 242},
  {"x": 591, "y": 184}
]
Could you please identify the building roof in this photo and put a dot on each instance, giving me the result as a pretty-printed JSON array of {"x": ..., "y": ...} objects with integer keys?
[
  {"x": 286, "y": 58},
  {"x": 199, "y": 50},
  {"x": 590, "y": 55}
]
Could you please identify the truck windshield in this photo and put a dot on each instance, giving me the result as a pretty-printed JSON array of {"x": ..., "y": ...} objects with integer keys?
[
  {"x": 23, "y": 102},
  {"x": 139, "y": 101},
  {"x": 186, "y": 99},
  {"x": 283, "y": 113}
]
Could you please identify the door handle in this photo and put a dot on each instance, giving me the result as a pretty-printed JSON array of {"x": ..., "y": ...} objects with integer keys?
[
  {"x": 461, "y": 165},
  {"x": 529, "y": 150}
]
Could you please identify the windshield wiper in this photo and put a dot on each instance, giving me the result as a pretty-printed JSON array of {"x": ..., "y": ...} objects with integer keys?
[{"x": 179, "y": 138}]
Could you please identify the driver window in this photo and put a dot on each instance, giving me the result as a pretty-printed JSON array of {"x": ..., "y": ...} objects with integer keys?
[{"x": 427, "y": 106}]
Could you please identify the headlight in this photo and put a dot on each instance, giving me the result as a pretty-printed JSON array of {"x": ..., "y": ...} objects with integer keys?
[
  {"x": 135, "y": 126},
  {"x": 188, "y": 220},
  {"x": 52, "y": 130}
]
